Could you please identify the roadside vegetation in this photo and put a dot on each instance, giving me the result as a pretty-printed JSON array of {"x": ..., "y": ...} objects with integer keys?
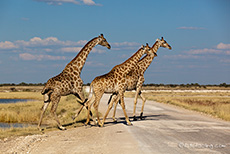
[
  {"x": 29, "y": 113},
  {"x": 216, "y": 103}
]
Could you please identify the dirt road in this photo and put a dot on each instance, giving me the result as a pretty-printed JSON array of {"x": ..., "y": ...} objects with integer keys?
[{"x": 165, "y": 129}]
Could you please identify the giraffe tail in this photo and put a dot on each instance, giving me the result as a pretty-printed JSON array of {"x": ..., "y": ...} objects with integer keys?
[
  {"x": 90, "y": 89},
  {"x": 46, "y": 89},
  {"x": 110, "y": 98}
]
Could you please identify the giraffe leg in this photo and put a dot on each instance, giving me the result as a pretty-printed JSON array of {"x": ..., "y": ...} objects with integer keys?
[
  {"x": 115, "y": 109},
  {"x": 134, "y": 105},
  {"x": 80, "y": 96},
  {"x": 109, "y": 108},
  {"x": 123, "y": 107},
  {"x": 88, "y": 106},
  {"x": 79, "y": 111},
  {"x": 45, "y": 105},
  {"x": 143, "y": 104},
  {"x": 55, "y": 100},
  {"x": 96, "y": 104},
  {"x": 139, "y": 87}
]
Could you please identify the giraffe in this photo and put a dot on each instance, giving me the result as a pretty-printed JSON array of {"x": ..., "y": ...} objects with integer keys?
[
  {"x": 69, "y": 80},
  {"x": 115, "y": 82},
  {"x": 135, "y": 78}
]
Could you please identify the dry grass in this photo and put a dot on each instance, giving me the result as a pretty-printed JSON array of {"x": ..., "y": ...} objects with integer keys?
[
  {"x": 216, "y": 104},
  {"x": 12, "y": 132},
  {"x": 29, "y": 112},
  {"x": 21, "y": 95}
]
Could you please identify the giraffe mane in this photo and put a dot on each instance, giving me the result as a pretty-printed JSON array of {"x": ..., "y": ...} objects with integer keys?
[{"x": 82, "y": 49}]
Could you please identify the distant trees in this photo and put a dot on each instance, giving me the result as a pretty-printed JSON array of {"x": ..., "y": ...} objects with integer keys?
[
  {"x": 22, "y": 84},
  {"x": 186, "y": 85},
  {"x": 151, "y": 84}
]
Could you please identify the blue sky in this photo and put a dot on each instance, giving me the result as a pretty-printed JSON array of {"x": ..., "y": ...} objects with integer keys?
[{"x": 39, "y": 37}]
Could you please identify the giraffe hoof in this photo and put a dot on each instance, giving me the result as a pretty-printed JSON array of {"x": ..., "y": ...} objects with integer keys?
[
  {"x": 87, "y": 125},
  {"x": 115, "y": 120},
  {"x": 40, "y": 129},
  {"x": 141, "y": 116},
  {"x": 101, "y": 125},
  {"x": 129, "y": 124},
  {"x": 62, "y": 128}
]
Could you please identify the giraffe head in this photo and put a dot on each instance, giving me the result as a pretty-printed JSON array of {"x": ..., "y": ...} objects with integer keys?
[
  {"x": 149, "y": 50},
  {"x": 103, "y": 42},
  {"x": 163, "y": 43}
]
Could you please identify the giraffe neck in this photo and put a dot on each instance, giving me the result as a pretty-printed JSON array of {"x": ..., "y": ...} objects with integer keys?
[
  {"x": 129, "y": 64},
  {"x": 156, "y": 46},
  {"x": 147, "y": 60},
  {"x": 79, "y": 60}
]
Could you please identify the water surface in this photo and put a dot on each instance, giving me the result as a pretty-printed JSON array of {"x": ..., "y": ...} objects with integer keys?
[
  {"x": 15, "y": 125},
  {"x": 5, "y": 101}
]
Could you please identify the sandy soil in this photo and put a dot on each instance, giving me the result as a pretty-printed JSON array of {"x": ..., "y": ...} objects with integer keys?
[{"x": 111, "y": 139}]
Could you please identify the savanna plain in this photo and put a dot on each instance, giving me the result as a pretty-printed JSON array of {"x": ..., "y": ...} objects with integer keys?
[{"x": 213, "y": 101}]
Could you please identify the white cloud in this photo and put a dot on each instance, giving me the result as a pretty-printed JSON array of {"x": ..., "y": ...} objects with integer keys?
[
  {"x": 94, "y": 64},
  {"x": 225, "y": 60},
  {"x": 223, "y": 46},
  {"x": 38, "y": 48},
  {"x": 48, "y": 44},
  {"x": 191, "y": 28},
  {"x": 181, "y": 56},
  {"x": 220, "y": 49},
  {"x": 7, "y": 45},
  {"x": 204, "y": 51},
  {"x": 125, "y": 46},
  {"x": 58, "y": 2},
  {"x": 77, "y": 2},
  {"x": 49, "y": 41},
  {"x": 120, "y": 44},
  {"x": 71, "y": 49},
  {"x": 227, "y": 52},
  {"x": 53, "y": 44},
  {"x": 28, "y": 56},
  {"x": 96, "y": 50},
  {"x": 89, "y": 2}
]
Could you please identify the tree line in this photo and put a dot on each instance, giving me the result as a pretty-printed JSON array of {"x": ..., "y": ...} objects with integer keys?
[
  {"x": 151, "y": 84},
  {"x": 188, "y": 85}
]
